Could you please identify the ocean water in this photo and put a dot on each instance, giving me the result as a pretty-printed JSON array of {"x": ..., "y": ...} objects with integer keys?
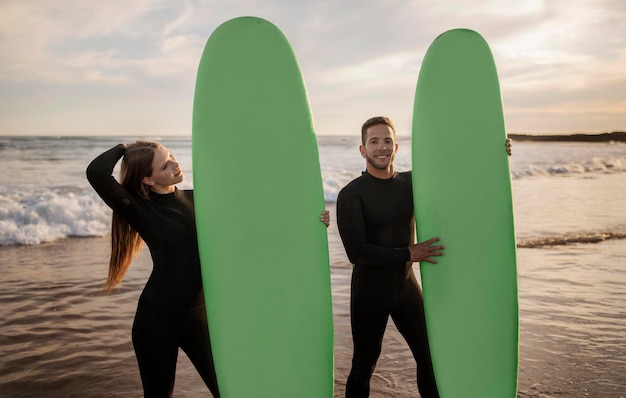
[
  {"x": 60, "y": 337},
  {"x": 559, "y": 188}
]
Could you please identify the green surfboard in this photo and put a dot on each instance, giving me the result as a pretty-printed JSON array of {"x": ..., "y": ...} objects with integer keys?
[
  {"x": 462, "y": 193},
  {"x": 258, "y": 197}
]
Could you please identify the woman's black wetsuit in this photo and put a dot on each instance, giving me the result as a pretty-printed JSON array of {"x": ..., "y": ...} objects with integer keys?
[
  {"x": 375, "y": 219},
  {"x": 171, "y": 312}
]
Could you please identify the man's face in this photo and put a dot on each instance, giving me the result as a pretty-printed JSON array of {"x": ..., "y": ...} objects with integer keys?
[{"x": 380, "y": 147}]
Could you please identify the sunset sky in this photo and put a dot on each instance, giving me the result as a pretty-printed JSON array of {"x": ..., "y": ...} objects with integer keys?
[{"x": 128, "y": 67}]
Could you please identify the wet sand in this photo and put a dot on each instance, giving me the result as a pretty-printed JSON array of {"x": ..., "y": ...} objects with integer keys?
[{"x": 60, "y": 337}]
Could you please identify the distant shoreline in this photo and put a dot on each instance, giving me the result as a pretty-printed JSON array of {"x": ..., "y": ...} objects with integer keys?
[
  {"x": 616, "y": 136},
  {"x": 603, "y": 137}
]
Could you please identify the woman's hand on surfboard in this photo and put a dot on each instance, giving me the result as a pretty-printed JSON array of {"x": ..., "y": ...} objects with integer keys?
[
  {"x": 423, "y": 251},
  {"x": 509, "y": 146},
  {"x": 325, "y": 217}
]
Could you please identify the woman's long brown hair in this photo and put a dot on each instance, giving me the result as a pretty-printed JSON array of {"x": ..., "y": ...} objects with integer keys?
[{"x": 125, "y": 241}]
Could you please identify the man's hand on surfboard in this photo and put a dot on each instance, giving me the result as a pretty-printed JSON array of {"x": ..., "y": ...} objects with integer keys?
[
  {"x": 423, "y": 251},
  {"x": 325, "y": 217}
]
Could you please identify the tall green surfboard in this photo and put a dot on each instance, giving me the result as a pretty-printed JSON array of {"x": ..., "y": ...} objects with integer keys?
[
  {"x": 258, "y": 197},
  {"x": 462, "y": 194}
]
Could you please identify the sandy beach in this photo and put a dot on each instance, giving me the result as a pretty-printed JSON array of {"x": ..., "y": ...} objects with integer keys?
[{"x": 60, "y": 337}]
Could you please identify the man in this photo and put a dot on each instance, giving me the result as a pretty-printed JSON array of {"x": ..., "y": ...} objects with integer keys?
[{"x": 375, "y": 219}]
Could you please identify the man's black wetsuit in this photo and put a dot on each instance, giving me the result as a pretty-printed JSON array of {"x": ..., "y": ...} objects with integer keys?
[
  {"x": 171, "y": 312},
  {"x": 375, "y": 219}
]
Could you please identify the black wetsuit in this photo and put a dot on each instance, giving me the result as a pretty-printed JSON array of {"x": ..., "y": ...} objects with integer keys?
[
  {"x": 170, "y": 313},
  {"x": 375, "y": 219}
]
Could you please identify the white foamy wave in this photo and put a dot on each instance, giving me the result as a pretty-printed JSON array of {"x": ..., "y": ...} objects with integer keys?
[
  {"x": 334, "y": 180},
  {"x": 33, "y": 215},
  {"x": 44, "y": 195},
  {"x": 591, "y": 166}
]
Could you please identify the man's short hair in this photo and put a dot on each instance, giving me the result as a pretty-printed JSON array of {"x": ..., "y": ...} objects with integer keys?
[{"x": 374, "y": 121}]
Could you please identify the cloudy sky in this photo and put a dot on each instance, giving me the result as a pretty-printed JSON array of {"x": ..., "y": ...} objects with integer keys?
[{"x": 75, "y": 67}]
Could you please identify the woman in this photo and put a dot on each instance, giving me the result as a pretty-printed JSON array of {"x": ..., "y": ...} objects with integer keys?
[{"x": 148, "y": 207}]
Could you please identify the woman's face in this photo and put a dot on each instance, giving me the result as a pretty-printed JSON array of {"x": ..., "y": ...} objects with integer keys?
[{"x": 166, "y": 172}]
